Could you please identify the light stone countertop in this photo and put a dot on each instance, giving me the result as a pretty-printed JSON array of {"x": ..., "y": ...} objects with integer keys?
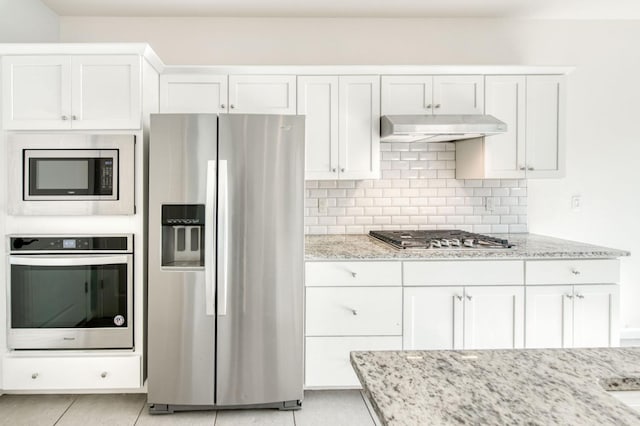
[
  {"x": 527, "y": 246},
  {"x": 498, "y": 387}
]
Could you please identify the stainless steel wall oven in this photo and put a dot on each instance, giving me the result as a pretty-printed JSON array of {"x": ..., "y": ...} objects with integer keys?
[
  {"x": 70, "y": 292},
  {"x": 70, "y": 174}
]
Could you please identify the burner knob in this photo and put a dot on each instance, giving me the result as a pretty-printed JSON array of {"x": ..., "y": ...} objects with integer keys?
[
  {"x": 468, "y": 242},
  {"x": 445, "y": 242},
  {"x": 435, "y": 244},
  {"x": 455, "y": 242}
]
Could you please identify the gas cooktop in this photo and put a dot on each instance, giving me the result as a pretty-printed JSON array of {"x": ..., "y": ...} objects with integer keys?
[{"x": 440, "y": 239}]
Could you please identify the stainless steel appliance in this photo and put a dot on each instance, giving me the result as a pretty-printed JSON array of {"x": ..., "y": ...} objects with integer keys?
[
  {"x": 440, "y": 239},
  {"x": 70, "y": 292},
  {"x": 226, "y": 243},
  {"x": 70, "y": 174},
  {"x": 438, "y": 128}
]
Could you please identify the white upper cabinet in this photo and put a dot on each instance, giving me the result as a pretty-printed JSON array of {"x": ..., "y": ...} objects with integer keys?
[
  {"x": 205, "y": 93},
  {"x": 533, "y": 146},
  {"x": 545, "y": 126},
  {"x": 318, "y": 101},
  {"x": 72, "y": 92},
  {"x": 262, "y": 94},
  {"x": 342, "y": 126},
  {"x": 456, "y": 94}
]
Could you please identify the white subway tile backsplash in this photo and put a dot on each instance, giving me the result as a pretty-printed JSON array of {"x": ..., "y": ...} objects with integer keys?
[{"x": 418, "y": 190}]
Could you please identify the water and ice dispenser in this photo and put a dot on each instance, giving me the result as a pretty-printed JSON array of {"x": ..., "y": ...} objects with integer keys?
[{"x": 183, "y": 235}]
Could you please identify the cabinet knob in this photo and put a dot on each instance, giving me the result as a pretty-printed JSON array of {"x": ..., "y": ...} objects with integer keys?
[
  {"x": 429, "y": 106},
  {"x": 469, "y": 297},
  {"x": 74, "y": 117},
  {"x": 354, "y": 312},
  {"x": 222, "y": 106},
  {"x": 575, "y": 272},
  {"x": 342, "y": 170},
  {"x": 459, "y": 297},
  {"x": 232, "y": 106},
  {"x": 522, "y": 168},
  {"x": 569, "y": 296},
  {"x": 580, "y": 296},
  {"x": 334, "y": 170},
  {"x": 354, "y": 274},
  {"x": 437, "y": 106},
  {"x": 530, "y": 168},
  {"x": 103, "y": 374},
  {"x": 34, "y": 376},
  {"x": 65, "y": 118}
]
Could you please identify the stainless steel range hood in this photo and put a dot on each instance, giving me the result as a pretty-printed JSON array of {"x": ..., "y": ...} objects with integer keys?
[{"x": 438, "y": 128}]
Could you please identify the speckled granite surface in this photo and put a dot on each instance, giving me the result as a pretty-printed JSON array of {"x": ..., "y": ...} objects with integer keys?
[
  {"x": 527, "y": 246},
  {"x": 498, "y": 387}
]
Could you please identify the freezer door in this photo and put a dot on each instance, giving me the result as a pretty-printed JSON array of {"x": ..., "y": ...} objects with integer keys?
[
  {"x": 181, "y": 306},
  {"x": 260, "y": 259}
]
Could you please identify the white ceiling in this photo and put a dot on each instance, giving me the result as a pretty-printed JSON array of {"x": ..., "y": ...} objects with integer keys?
[{"x": 528, "y": 9}]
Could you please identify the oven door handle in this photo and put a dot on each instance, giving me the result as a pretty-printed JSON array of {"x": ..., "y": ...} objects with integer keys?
[{"x": 39, "y": 260}]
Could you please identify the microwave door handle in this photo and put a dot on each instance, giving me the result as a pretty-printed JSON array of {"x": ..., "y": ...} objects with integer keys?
[
  {"x": 67, "y": 260},
  {"x": 223, "y": 237},
  {"x": 209, "y": 238}
]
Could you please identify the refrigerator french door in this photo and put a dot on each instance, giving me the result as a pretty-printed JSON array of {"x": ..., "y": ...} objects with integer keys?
[{"x": 225, "y": 271}]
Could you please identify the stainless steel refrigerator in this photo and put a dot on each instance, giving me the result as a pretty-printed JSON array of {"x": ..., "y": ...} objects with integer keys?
[{"x": 225, "y": 261}]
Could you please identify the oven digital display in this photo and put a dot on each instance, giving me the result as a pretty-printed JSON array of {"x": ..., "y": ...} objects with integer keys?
[{"x": 69, "y": 244}]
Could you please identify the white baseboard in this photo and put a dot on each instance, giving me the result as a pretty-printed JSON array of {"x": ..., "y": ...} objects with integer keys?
[{"x": 630, "y": 333}]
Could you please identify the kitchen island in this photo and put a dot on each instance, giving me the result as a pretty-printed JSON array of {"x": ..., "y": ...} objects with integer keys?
[{"x": 496, "y": 387}]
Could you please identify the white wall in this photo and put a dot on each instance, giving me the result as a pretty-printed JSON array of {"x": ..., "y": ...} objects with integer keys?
[
  {"x": 603, "y": 102},
  {"x": 23, "y": 21}
]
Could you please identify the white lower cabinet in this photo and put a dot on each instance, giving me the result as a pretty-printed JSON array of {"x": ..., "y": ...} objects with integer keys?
[
  {"x": 71, "y": 373},
  {"x": 475, "y": 317},
  {"x": 565, "y": 316},
  {"x": 327, "y": 361}
]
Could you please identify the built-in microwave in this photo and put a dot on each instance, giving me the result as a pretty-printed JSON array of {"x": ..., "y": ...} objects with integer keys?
[{"x": 70, "y": 174}]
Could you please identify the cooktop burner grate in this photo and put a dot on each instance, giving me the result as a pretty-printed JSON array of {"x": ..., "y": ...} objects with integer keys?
[{"x": 440, "y": 239}]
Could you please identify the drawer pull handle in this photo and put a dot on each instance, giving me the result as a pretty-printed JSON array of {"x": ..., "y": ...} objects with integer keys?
[
  {"x": 354, "y": 274},
  {"x": 575, "y": 272},
  {"x": 580, "y": 296},
  {"x": 34, "y": 376},
  {"x": 103, "y": 374},
  {"x": 569, "y": 296}
]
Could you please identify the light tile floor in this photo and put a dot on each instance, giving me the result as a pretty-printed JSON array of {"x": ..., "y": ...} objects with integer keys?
[{"x": 320, "y": 408}]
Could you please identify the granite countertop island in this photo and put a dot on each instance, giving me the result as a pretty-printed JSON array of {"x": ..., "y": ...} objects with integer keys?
[
  {"x": 526, "y": 246},
  {"x": 497, "y": 387}
]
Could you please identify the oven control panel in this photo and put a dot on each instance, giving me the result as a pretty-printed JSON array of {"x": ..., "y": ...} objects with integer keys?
[{"x": 70, "y": 244}]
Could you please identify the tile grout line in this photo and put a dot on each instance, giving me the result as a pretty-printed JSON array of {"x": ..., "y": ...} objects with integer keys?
[{"x": 75, "y": 398}]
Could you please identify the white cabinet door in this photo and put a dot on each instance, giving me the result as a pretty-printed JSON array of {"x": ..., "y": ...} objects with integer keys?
[
  {"x": 505, "y": 153},
  {"x": 359, "y": 127},
  {"x": 545, "y": 121},
  {"x": 327, "y": 362},
  {"x": 458, "y": 94},
  {"x": 262, "y": 94},
  {"x": 36, "y": 92},
  {"x": 549, "y": 316},
  {"x": 494, "y": 317},
  {"x": 405, "y": 94},
  {"x": 596, "y": 316},
  {"x": 193, "y": 93},
  {"x": 318, "y": 102},
  {"x": 433, "y": 318},
  {"x": 106, "y": 92}
]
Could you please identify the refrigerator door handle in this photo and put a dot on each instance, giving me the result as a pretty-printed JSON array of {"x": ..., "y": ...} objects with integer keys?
[
  {"x": 209, "y": 237},
  {"x": 223, "y": 237}
]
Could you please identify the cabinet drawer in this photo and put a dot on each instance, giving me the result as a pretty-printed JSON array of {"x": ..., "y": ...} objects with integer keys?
[
  {"x": 327, "y": 361},
  {"x": 318, "y": 274},
  {"x": 600, "y": 271},
  {"x": 39, "y": 373},
  {"x": 483, "y": 272},
  {"x": 373, "y": 311}
]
